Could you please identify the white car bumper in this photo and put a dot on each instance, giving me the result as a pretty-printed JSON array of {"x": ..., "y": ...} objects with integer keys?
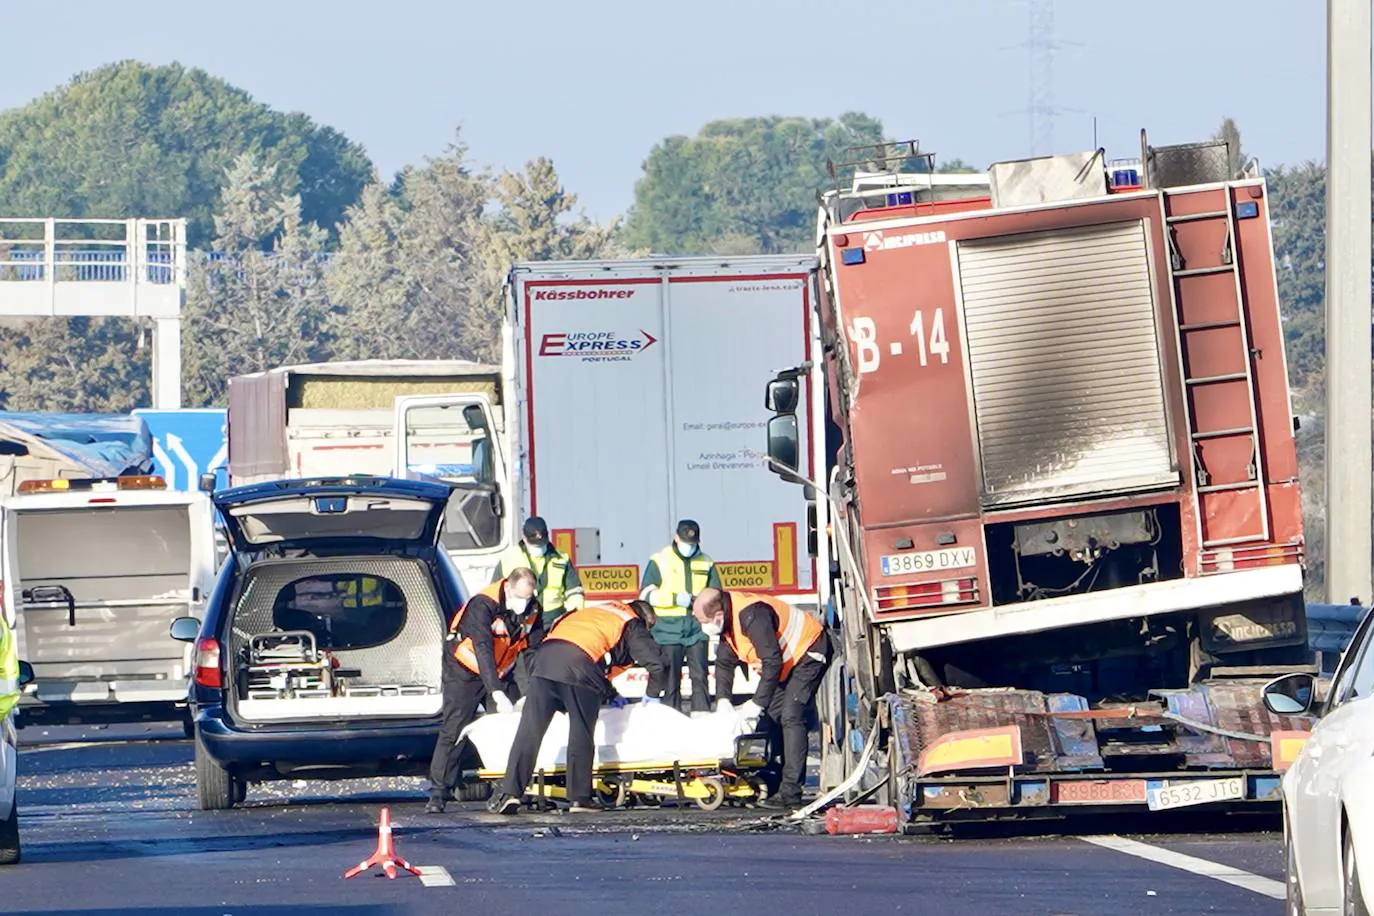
[{"x": 1359, "y": 812}]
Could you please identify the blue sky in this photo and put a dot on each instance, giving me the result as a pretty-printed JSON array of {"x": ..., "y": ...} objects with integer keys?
[{"x": 595, "y": 84}]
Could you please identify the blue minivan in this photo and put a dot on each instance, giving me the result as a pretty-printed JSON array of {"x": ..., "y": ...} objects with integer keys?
[{"x": 322, "y": 646}]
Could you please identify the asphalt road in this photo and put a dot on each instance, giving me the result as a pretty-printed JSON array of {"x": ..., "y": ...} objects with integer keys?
[{"x": 109, "y": 827}]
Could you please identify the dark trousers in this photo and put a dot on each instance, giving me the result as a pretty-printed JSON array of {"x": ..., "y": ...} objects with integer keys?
[
  {"x": 546, "y": 697},
  {"x": 695, "y": 656},
  {"x": 462, "y": 692},
  {"x": 785, "y": 719}
]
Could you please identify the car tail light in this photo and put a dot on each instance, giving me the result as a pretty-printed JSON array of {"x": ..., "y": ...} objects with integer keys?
[{"x": 208, "y": 672}]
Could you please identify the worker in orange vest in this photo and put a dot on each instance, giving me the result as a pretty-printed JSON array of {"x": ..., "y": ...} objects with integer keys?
[
  {"x": 789, "y": 651},
  {"x": 571, "y": 672},
  {"x": 485, "y": 638}
]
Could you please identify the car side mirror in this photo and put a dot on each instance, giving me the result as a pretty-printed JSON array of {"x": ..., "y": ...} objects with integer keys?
[
  {"x": 782, "y": 395},
  {"x": 207, "y": 483},
  {"x": 498, "y": 504},
  {"x": 1289, "y": 695},
  {"x": 185, "y": 629},
  {"x": 26, "y": 674}
]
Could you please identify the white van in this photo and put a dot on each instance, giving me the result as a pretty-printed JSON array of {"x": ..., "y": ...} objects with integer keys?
[{"x": 95, "y": 571}]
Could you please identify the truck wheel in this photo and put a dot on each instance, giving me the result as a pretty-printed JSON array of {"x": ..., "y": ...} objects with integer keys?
[
  {"x": 478, "y": 790},
  {"x": 9, "y": 837},
  {"x": 215, "y": 786},
  {"x": 188, "y": 724}
]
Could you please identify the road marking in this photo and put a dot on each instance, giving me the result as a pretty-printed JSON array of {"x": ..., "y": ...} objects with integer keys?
[
  {"x": 435, "y": 876},
  {"x": 1224, "y": 873}
]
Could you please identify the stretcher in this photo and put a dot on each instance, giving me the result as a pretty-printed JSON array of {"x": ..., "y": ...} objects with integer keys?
[{"x": 643, "y": 755}]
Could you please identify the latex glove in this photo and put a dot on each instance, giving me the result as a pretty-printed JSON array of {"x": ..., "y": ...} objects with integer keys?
[
  {"x": 651, "y": 701},
  {"x": 618, "y": 703},
  {"x": 503, "y": 703},
  {"x": 724, "y": 705},
  {"x": 749, "y": 711},
  {"x": 519, "y": 704},
  {"x": 684, "y": 600}
]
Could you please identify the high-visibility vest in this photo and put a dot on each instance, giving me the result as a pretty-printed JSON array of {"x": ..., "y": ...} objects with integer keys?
[
  {"x": 797, "y": 632},
  {"x": 9, "y": 669},
  {"x": 596, "y": 630},
  {"x": 371, "y": 592},
  {"x": 550, "y": 570},
  {"x": 504, "y": 649},
  {"x": 675, "y": 571}
]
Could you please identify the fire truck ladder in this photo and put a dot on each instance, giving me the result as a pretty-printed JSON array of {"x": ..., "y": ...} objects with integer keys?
[{"x": 1214, "y": 341}]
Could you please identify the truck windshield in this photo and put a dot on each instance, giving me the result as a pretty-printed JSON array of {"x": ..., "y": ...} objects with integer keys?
[{"x": 452, "y": 444}]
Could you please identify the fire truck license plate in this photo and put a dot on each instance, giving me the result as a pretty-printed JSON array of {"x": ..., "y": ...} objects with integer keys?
[
  {"x": 1198, "y": 792},
  {"x": 929, "y": 561}
]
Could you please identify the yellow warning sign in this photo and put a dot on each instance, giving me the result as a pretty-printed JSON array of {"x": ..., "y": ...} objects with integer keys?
[
  {"x": 758, "y": 574},
  {"x": 610, "y": 581}
]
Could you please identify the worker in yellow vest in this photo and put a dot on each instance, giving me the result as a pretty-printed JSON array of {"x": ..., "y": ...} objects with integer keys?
[
  {"x": 364, "y": 591},
  {"x": 10, "y": 688},
  {"x": 559, "y": 587},
  {"x": 790, "y": 652},
  {"x": 672, "y": 577}
]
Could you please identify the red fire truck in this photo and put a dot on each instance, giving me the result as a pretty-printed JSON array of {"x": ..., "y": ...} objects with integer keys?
[{"x": 1055, "y": 483}]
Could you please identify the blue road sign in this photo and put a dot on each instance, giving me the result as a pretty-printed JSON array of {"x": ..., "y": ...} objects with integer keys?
[{"x": 188, "y": 443}]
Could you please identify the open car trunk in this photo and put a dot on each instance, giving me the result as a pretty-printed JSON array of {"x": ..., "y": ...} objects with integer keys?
[
  {"x": 336, "y": 639},
  {"x": 97, "y": 588}
]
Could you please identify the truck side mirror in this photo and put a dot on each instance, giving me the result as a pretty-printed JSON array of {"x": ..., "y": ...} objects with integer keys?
[
  {"x": 782, "y": 395},
  {"x": 26, "y": 674},
  {"x": 784, "y": 443},
  {"x": 498, "y": 504},
  {"x": 207, "y": 483}
]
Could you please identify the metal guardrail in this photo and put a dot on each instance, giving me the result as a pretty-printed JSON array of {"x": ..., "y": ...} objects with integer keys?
[{"x": 148, "y": 251}]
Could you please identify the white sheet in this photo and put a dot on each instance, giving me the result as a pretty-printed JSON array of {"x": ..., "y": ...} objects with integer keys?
[{"x": 654, "y": 735}]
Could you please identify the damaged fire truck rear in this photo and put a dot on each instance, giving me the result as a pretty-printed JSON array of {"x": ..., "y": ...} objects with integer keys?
[{"x": 1063, "y": 523}]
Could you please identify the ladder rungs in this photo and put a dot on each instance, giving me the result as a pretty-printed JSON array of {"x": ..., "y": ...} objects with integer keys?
[
  {"x": 1223, "y": 487},
  {"x": 1210, "y": 325},
  {"x": 1202, "y": 271},
  {"x": 1243, "y": 539},
  {"x": 1223, "y": 433},
  {"x": 1209, "y": 379},
  {"x": 1191, "y": 217}
]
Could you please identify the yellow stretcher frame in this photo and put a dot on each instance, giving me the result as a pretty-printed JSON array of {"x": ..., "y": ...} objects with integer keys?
[{"x": 708, "y": 783}]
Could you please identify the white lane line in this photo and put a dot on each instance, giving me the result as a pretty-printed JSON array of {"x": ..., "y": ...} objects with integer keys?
[
  {"x": 435, "y": 876},
  {"x": 1224, "y": 873}
]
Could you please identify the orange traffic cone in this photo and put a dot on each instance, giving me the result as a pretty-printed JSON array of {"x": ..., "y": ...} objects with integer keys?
[{"x": 385, "y": 855}]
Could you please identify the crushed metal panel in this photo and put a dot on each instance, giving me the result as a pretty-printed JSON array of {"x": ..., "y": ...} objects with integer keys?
[
  {"x": 1064, "y": 358},
  {"x": 1077, "y": 737},
  {"x": 920, "y": 719},
  {"x": 1074, "y": 176}
]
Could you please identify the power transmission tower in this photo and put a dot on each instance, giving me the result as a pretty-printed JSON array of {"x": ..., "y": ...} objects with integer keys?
[{"x": 1040, "y": 110}]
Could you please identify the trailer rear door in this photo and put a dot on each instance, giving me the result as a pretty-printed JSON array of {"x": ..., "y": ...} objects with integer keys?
[{"x": 642, "y": 403}]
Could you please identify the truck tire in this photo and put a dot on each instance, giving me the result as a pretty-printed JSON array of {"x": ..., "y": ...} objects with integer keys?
[
  {"x": 215, "y": 786},
  {"x": 188, "y": 723},
  {"x": 9, "y": 837}
]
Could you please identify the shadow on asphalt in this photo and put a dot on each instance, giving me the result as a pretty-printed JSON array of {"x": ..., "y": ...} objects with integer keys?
[
  {"x": 364, "y": 835},
  {"x": 1162, "y": 823},
  {"x": 237, "y": 909}
]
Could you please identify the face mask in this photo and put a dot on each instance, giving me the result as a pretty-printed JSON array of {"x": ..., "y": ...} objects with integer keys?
[
  {"x": 517, "y": 605},
  {"x": 711, "y": 629},
  {"x": 687, "y": 550}
]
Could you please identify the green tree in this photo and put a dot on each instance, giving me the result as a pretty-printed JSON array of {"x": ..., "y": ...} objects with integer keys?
[
  {"x": 534, "y": 222},
  {"x": 248, "y": 309},
  {"x": 129, "y": 139},
  {"x": 1229, "y": 132},
  {"x": 75, "y": 364},
  {"x": 405, "y": 273},
  {"x": 746, "y": 183}
]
